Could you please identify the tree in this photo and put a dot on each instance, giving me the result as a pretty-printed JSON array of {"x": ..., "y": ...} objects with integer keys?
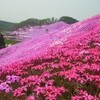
[
  {"x": 68, "y": 20},
  {"x": 2, "y": 42}
]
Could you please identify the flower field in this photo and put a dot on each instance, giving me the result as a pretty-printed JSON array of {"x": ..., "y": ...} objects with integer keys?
[
  {"x": 23, "y": 34},
  {"x": 61, "y": 65}
]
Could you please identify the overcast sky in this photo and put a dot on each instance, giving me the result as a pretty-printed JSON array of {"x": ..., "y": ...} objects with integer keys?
[{"x": 18, "y": 10}]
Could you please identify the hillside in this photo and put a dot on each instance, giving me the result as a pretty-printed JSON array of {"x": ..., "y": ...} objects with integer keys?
[
  {"x": 6, "y": 26},
  {"x": 32, "y": 32},
  {"x": 61, "y": 65}
]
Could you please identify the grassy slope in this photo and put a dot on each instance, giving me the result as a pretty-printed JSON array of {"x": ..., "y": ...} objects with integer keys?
[{"x": 8, "y": 41}]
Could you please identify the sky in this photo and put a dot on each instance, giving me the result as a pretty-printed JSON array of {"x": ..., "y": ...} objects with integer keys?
[{"x": 19, "y": 10}]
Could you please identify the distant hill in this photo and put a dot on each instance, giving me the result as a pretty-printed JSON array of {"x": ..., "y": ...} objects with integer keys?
[
  {"x": 68, "y": 20},
  {"x": 26, "y": 23},
  {"x": 39, "y": 22},
  {"x": 36, "y": 22},
  {"x": 7, "y": 26}
]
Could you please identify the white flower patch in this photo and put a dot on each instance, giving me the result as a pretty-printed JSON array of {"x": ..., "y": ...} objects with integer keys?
[{"x": 54, "y": 43}]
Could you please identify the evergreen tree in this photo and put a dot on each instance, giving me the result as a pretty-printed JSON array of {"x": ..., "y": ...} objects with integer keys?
[{"x": 2, "y": 41}]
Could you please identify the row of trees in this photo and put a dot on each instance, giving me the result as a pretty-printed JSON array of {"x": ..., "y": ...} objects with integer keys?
[
  {"x": 40, "y": 22},
  {"x": 36, "y": 22}
]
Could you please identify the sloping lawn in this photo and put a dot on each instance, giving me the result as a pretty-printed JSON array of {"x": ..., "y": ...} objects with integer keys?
[{"x": 9, "y": 41}]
